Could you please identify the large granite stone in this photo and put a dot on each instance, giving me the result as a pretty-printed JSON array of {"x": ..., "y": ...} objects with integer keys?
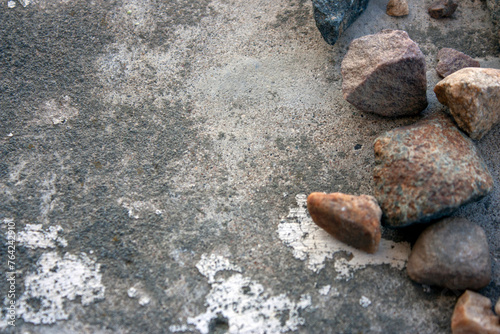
[
  {"x": 333, "y": 17},
  {"x": 452, "y": 253},
  {"x": 384, "y": 74},
  {"x": 354, "y": 220},
  {"x": 426, "y": 171},
  {"x": 472, "y": 314},
  {"x": 473, "y": 96}
]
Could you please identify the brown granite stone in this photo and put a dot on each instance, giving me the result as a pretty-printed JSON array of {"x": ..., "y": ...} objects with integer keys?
[
  {"x": 426, "y": 171},
  {"x": 397, "y": 8},
  {"x": 354, "y": 220},
  {"x": 452, "y": 253},
  {"x": 451, "y": 60},
  {"x": 385, "y": 74},
  {"x": 473, "y": 96},
  {"x": 442, "y": 8},
  {"x": 472, "y": 314}
]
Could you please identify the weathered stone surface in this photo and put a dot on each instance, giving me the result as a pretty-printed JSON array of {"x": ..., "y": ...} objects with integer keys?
[
  {"x": 472, "y": 314},
  {"x": 442, "y": 8},
  {"x": 451, "y": 60},
  {"x": 427, "y": 170},
  {"x": 397, "y": 8},
  {"x": 385, "y": 74},
  {"x": 354, "y": 220},
  {"x": 334, "y": 17},
  {"x": 452, "y": 253},
  {"x": 473, "y": 96}
]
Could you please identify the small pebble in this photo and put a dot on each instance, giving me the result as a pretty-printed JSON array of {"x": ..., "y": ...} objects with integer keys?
[
  {"x": 364, "y": 301},
  {"x": 11, "y": 4},
  {"x": 442, "y": 8},
  {"x": 472, "y": 314},
  {"x": 354, "y": 220},
  {"x": 397, "y": 8}
]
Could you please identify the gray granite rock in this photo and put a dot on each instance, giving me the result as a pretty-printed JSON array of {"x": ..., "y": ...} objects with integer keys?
[
  {"x": 442, "y": 8},
  {"x": 334, "y": 17},
  {"x": 473, "y": 96},
  {"x": 452, "y": 253},
  {"x": 451, "y": 60},
  {"x": 427, "y": 170},
  {"x": 385, "y": 74},
  {"x": 354, "y": 220},
  {"x": 472, "y": 314}
]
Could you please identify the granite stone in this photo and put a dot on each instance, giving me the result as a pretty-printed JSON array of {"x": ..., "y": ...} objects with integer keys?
[
  {"x": 451, "y": 60},
  {"x": 385, "y": 74},
  {"x": 473, "y": 96},
  {"x": 427, "y": 170}
]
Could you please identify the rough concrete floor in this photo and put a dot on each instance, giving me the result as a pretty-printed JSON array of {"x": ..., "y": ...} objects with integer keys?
[{"x": 154, "y": 157}]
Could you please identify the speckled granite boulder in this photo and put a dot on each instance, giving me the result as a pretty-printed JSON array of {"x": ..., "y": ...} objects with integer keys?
[
  {"x": 451, "y": 60},
  {"x": 354, "y": 220},
  {"x": 384, "y": 74},
  {"x": 452, "y": 253},
  {"x": 334, "y": 17},
  {"x": 473, "y": 96},
  {"x": 472, "y": 314},
  {"x": 426, "y": 171}
]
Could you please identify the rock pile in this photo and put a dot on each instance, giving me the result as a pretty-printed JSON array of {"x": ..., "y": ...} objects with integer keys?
[{"x": 423, "y": 171}]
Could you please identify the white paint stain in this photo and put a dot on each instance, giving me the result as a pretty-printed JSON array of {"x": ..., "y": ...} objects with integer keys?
[
  {"x": 34, "y": 236},
  {"x": 56, "y": 280},
  {"x": 243, "y": 303},
  {"x": 312, "y": 244},
  {"x": 49, "y": 190},
  {"x": 365, "y": 301}
]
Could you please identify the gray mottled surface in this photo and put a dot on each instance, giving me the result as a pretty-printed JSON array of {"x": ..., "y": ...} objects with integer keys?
[{"x": 159, "y": 133}]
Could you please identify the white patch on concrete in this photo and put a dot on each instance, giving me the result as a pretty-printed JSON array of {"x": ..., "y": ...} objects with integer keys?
[
  {"x": 34, "y": 236},
  {"x": 55, "y": 112},
  {"x": 324, "y": 290},
  {"x": 47, "y": 203},
  {"x": 244, "y": 303},
  {"x": 364, "y": 301},
  {"x": 55, "y": 281},
  {"x": 210, "y": 266},
  {"x": 312, "y": 244},
  {"x": 140, "y": 294},
  {"x": 138, "y": 209}
]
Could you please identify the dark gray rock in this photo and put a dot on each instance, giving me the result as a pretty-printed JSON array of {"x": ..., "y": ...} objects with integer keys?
[
  {"x": 384, "y": 74},
  {"x": 426, "y": 171},
  {"x": 334, "y": 17},
  {"x": 452, "y": 253}
]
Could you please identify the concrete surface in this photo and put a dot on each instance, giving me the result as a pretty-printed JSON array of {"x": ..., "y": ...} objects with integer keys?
[{"x": 155, "y": 157}]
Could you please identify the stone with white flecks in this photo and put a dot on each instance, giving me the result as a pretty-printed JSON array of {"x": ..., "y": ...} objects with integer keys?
[
  {"x": 385, "y": 74},
  {"x": 473, "y": 96}
]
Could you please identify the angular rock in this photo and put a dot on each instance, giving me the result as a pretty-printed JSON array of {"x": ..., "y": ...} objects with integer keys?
[
  {"x": 426, "y": 171},
  {"x": 472, "y": 314},
  {"x": 354, "y": 220},
  {"x": 385, "y": 74},
  {"x": 397, "y": 8},
  {"x": 473, "y": 96},
  {"x": 451, "y": 60},
  {"x": 452, "y": 253},
  {"x": 442, "y": 8},
  {"x": 334, "y": 17}
]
